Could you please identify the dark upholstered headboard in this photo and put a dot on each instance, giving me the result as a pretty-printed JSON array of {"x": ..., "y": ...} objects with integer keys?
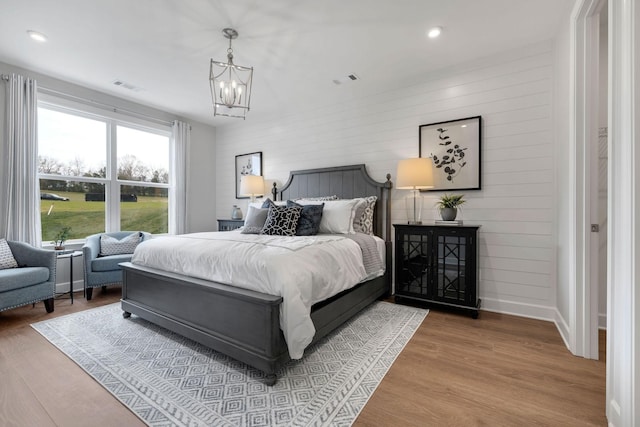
[{"x": 346, "y": 182}]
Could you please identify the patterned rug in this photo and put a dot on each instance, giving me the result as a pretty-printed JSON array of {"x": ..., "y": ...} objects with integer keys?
[{"x": 168, "y": 380}]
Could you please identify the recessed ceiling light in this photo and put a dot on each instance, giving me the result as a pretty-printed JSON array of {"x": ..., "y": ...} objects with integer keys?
[
  {"x": 39, "y": 37},
  {"x": 434, "y": 32}
]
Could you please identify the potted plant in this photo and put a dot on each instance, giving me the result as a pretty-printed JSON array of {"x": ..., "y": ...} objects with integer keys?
[
  {"x": 448, "y": 205},
  {"x": 61, "y": 237}
]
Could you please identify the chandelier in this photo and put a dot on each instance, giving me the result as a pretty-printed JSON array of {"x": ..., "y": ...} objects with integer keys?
[{"x": 230, "y": 84}]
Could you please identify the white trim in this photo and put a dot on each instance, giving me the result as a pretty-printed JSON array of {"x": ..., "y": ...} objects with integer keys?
[
  {"x": 562, "y": 326},
  {"x": 623, "y": 246},
  {"x": 68, "y": 106},
  {"x": 583, "y": 338},
  {"x": 602, "y": 321},
  {"x": 539, "y": 312},
  {"x": 78, "y": 285},
  {"x": 96, "y": 105},
  {"x": 531, "y": 311}
]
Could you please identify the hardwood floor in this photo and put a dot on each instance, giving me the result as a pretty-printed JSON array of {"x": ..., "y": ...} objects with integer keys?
[{"x": 496, "y": 370}]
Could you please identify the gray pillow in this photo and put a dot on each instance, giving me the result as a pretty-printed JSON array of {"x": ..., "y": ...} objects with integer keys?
[
  {"x": 255, "y": 220},
  {"x": 309, "y": 222}
]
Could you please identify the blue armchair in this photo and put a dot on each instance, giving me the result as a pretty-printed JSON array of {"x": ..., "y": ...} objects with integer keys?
[
  {"x": 34, "y": 280},
  {"x": 102, "y": 271}
]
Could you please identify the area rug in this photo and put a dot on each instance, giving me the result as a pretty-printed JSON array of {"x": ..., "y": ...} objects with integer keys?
[{"x": 168, "y": 380}]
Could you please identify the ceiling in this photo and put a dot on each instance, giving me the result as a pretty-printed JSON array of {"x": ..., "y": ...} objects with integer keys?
[{"x": 297, "y": 47}]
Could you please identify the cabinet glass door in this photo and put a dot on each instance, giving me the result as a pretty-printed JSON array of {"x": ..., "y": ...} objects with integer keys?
[
  {"x": 451, "y": 259},
  {"x": 414, "y": 273}
]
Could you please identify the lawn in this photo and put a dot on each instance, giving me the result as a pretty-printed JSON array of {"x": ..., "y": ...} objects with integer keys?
[{"x": 85, "y": 218}]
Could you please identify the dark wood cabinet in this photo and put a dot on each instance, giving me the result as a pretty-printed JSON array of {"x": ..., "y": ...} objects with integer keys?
[
  {"x": 229, "y": 224},
  {"x": 437, "y": 265}
]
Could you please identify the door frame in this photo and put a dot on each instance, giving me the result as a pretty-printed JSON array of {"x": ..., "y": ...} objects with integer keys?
[
  {"x": 584, "y": 45},
  {"x": 623, "y": 206}
]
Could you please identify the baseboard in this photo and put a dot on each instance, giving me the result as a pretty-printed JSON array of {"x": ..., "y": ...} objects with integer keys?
[
  {"x": 602, "y": 321},
  {"x": 78, "y": 286},
  {"x": 563, "y": 328},
  {"x": 540, "y": 312},
  {"x": 532, "y": 311}
]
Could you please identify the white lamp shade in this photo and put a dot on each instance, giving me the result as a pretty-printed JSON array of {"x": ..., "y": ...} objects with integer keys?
[
  {"x": 415, "y": 174},
  {"x": 251, "y": 185}
]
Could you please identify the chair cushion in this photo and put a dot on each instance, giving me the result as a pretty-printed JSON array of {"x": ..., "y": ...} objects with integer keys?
[
  {"x": 109, "y": 263},
  {"x": 6, "y": 256},
  {"x": 23, "y": 277}
]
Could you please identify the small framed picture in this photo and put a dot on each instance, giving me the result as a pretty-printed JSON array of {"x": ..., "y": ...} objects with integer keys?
[
  {"x": 247, "y": 164},
  {"x": 454, "y": 147}
]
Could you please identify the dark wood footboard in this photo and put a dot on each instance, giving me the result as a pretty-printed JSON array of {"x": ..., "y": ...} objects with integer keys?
[{"x": 239, "y": 323}]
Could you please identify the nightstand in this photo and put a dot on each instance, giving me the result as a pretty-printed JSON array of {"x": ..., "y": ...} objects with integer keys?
[
  {"x": 437, "y": 265},
  {"x": 229, "y": 224}
]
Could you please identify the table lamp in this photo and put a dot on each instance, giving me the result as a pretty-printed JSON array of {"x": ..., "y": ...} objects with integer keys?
[
  {"x": 250, "y": 185},
  {"x": 415, "y": 174}
]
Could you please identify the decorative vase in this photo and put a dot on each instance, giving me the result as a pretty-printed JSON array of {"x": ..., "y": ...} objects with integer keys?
[
  {"x": 236, "y": 212},
  {"x": 448, "y": 214}
]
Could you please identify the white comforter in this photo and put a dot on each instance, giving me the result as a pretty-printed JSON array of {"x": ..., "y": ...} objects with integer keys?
[{"x": 303, "y": 270}]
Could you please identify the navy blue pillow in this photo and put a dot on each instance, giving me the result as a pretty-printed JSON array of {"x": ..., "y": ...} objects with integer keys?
[{"x": 309, "y": 222}]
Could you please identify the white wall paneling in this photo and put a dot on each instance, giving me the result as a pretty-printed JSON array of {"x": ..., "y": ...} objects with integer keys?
[{"x": 513, "y": 94}]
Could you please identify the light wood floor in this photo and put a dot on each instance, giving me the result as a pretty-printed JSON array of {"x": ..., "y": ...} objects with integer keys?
[{"x": 497, "y": 370}]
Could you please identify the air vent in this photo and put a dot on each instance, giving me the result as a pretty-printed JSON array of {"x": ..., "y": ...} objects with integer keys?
[
  {"x": 126, "y": 85},
  {"x": 346, "y": 79}
]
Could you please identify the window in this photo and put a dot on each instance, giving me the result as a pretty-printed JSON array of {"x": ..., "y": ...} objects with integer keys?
[{"x": 101, "y": 173}]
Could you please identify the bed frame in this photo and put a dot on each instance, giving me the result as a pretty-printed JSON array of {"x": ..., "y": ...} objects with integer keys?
[{"x": 245, "y": 324}]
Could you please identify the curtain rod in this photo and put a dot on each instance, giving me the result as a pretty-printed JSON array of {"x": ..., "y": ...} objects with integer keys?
[
  {"x": 103, "y": 106},
  {"x": 98, "y": 104}
]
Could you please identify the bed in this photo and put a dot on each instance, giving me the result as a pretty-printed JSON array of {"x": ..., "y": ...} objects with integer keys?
[{"x": 245, "y": 324}]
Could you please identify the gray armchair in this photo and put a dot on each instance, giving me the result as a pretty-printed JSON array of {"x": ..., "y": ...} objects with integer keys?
[
  {"x": 102, "y": 271},
  {"x": 34, "y": 280}
]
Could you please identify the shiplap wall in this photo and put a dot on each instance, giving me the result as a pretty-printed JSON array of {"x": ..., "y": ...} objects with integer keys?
[{"x": 513, "y": 94}]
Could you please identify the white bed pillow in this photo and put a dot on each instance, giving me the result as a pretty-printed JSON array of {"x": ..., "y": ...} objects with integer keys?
[
  {"x": 316, "y": 199},
  {"x": 265, "y": 203},
  {"x": 337, "y": 215}
]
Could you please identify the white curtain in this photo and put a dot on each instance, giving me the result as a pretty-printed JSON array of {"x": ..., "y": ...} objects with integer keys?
[
  {"x": 19, "y": 190},
  {"x": 181, "y": 135}
]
